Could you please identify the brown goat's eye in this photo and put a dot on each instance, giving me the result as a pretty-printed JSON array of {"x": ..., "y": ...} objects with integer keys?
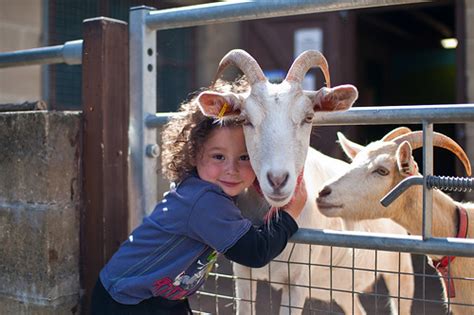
[{"x": 381, "y": 171}]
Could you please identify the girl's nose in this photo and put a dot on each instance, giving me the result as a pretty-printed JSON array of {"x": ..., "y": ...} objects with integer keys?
[{"x": 232, "y": 166}]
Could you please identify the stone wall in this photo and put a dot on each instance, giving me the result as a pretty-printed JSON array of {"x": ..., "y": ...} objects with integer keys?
[{"x": 40, "y": 195}]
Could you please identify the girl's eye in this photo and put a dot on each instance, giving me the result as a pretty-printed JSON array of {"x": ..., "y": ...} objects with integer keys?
[
  {"x": 245, "y": 157},
  {"x": 219, "y": 157},
  {"x": 381, "y": 171}
]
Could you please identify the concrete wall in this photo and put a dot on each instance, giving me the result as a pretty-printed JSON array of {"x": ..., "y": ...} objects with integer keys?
[
  {"x": 20, "y": 28},
  {"x": 40, "y": 194}
]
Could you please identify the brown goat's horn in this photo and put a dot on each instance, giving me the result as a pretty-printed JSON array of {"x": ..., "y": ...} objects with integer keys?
[
  {"x": 395, "y": 133},
  {"x": 307, "y": 60},
  {"x": 415, "y": 138},
  {"x": 246, "y": 63}
]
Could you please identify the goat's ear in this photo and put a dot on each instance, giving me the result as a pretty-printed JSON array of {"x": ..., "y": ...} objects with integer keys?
[
  {"x": 338, "y": 98},
  {"x": 406, "y": 163},
  {"x": 219, "y": 105},
  {"x": 351, "y": 149}
]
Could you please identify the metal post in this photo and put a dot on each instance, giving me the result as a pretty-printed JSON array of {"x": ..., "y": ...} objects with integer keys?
[
  {"x": 427, "y": 171},
  {"x": 143, "y": 180}
]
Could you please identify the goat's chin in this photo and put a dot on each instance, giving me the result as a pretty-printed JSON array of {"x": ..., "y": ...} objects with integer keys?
[
  {"x": 329, "y": 210},
  {"x": 278, "y": 201}
]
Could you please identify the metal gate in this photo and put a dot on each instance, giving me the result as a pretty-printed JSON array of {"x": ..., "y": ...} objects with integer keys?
[{"x": 218, "y": 295}]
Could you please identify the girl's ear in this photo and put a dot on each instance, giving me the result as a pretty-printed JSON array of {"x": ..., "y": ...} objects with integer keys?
[
  {"x": 406, "y": 163},
  {"x": 338, "y": 98},
  {"x": 219, "y": 105},
  {"x": 351, "y": 149}
]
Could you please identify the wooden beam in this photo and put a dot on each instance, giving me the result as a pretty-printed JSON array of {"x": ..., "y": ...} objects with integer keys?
[{"x": 105, "y": 92}]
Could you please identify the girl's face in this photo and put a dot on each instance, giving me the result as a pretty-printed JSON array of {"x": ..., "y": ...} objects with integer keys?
[{"x": 223, "y": 160}]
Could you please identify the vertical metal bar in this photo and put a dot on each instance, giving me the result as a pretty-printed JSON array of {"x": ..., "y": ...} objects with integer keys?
[
  {"x": 143, "y": 181},
  {"x": 375, "y": 282},
  {"x": 353, "y": 280},
  {"x": 330, "y": 281},
  {"x": 427, "y": 171}
]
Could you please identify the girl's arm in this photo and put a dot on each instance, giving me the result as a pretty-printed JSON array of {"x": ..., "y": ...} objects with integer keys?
[{"x": 259, "y": 246}]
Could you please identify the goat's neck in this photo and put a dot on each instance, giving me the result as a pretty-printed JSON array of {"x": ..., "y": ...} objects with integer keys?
[{"x": 444, "y": 213}]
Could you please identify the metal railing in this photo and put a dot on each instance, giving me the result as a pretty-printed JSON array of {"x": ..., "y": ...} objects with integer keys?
[
  {"x": 425, "y": 114},
  {"x": 145, "y": 21}
]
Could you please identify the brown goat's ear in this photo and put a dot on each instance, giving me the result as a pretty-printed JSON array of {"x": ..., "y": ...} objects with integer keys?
[
  {"x": 406, "y": 163},
  {"x": 351, "y": 149},
  {"x": 338, "y": 98},
  {"x": 219, "y": 105}
]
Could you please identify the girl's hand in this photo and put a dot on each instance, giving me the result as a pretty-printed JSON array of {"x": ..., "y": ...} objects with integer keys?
[{"x": 296, "y": 205}]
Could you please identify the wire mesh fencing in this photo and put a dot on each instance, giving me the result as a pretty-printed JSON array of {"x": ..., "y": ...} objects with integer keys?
[{"x": 329, "y": 280}]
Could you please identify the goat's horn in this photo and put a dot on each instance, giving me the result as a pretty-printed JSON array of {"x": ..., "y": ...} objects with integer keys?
[
  {"x": 395, "y": 133},
  {"x": 307, "y": 60},
  {"x": 246, "y": 63},
  {"x": 415, "y": 138}
]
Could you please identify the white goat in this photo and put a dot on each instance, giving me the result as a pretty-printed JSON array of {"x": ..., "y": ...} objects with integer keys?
[
  {"x": 374, "y": 171},
  {"x": 277, "y": 132}
]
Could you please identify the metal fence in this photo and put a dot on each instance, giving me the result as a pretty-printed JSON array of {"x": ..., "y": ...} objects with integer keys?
[
  {"x": 218, "y": 295},
  {"x": 144, "y": 22}
]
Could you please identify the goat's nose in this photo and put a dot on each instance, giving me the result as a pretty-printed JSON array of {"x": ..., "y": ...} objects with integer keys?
[
  {"x": 326, "y": 191},
  {"x": 277, "y": 181}
]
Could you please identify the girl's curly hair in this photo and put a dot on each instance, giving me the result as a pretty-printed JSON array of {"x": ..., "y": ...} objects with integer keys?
[{"x": 187, "y": 131}]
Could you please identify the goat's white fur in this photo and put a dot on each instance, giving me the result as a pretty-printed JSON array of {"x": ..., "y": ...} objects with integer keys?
[
  {"x": 368, "y": 186},
  {"x": 277, "y": 136},
  {"x": 318, "y": 169}
]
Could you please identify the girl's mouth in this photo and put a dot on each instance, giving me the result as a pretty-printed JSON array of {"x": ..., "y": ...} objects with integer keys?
[{"x": 230, "y": 184}]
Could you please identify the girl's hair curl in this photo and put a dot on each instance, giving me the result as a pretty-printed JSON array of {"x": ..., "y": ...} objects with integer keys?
[{"x": 187, "y": 131}]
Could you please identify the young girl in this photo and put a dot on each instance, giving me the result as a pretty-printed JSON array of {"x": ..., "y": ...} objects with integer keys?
[{"x": 168, "y": 257}]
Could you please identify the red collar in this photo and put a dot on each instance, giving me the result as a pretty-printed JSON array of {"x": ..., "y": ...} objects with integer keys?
[{"x": 442, "y": 265}]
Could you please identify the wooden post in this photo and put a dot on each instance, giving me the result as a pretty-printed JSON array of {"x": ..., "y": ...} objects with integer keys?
[{"x": 105, "y": 92}]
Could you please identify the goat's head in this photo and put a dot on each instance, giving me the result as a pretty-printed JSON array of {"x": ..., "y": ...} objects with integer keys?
[
  {"x": 374, "y": 171},
  {"x": 278, "y": 117}
]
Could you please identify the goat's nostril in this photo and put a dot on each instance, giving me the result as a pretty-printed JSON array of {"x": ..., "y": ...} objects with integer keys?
[
  {"x": 326, "y": 191},
  {"x": 277, "y": 181}
]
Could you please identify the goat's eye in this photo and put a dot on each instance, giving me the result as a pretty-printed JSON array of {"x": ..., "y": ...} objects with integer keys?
[
  {"x": 308, "y": 119},
  {"x": 381, "y": 171}
]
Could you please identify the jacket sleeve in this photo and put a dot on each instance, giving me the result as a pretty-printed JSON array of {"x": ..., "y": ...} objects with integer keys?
[{"x": 259, "y": 246}]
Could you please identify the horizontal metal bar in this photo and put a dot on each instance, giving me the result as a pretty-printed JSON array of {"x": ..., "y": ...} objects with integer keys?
[
  {"x": 415, "y": 114},
  {"x": 158, "y": 120},
  {"x": 387, "y": 242},
  {"x": 69, "y": 53},
  {"x": 447, "y": 183},
  {"x": 235, "y": 11}
]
